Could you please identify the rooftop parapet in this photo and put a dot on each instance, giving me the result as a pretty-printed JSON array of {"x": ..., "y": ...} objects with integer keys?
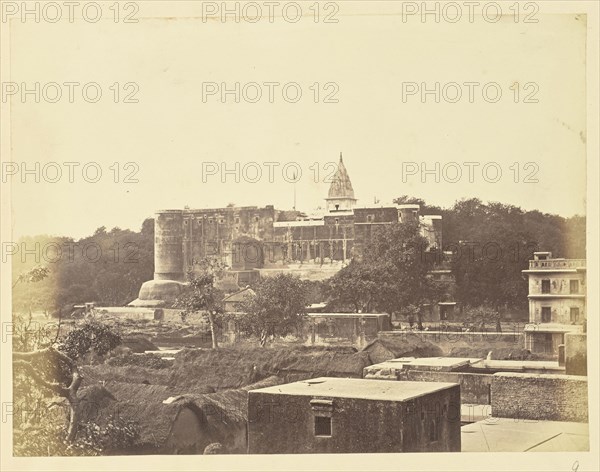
[{"x": 553, "y": 264}]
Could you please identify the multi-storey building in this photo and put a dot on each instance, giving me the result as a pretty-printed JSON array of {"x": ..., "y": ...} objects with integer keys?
[{"x": 556, "y": 301}]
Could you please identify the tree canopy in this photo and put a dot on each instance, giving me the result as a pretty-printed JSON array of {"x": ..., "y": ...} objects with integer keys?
[{"x": 393, "y": 273}]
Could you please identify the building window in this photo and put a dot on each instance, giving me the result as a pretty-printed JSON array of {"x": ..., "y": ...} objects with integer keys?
[
  {"x": 574, "y": 314},
  {"x": 237, "y": 221},
  {"x": 337, "y": 207},
  {"x": 256, "y": 218},
  {"x": 574, "y": 286},
  {"x": 433, "y": 431},
  {"x": 210, "y": 220},
  {"x": 322, "y": 426},
  {"x": 337, "y": 221},
  {"x": 370, "y": 218},
  {"x": 546, "y": 314},
  {"x": 546, "y": 286},
  {"x": 221, "y": 221}
]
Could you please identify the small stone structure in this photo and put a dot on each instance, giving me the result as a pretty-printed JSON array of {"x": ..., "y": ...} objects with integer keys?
[{"x": 334, "y": 415}]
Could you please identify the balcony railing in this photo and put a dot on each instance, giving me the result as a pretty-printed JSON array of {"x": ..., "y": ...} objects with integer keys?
[{"x": 557, "y": 264}]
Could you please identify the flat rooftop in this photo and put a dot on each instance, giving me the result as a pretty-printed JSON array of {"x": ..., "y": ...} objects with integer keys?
[
  {"x": 449, "y": 364},
  {"x": 551, "y": 366},
  {"x": 437, "y": 361},
  {"x": 346, "y": 315},
  {"x": 357, "y": 388},
  {"x": 426, "y": 363},
  {"x": 510, "y": 435}
]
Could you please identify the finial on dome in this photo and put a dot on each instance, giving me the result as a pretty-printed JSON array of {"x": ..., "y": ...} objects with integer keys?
[{"x": 340, "y": 156}]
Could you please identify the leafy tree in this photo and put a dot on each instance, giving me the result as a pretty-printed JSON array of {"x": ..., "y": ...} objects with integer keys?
[
  {"x": 202, "y": 296},
  {"x": 277, "y": 309},
  {"x": 400, "y": 252},
  {"x": 392, "y": 273}
]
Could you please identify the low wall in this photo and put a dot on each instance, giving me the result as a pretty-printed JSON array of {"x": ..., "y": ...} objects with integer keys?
[
  {"x": 449, "y": 340},
  {"x": 132, "y": 313},
  {"x": 171, "y": 315},
  {"x": 474, "y": 388},
  {"x": 491, "y": 337},
  {"x": 540, "y": 397}
]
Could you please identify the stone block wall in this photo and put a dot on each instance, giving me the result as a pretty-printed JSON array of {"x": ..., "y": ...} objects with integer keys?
[{"x": 540, "y": 397}]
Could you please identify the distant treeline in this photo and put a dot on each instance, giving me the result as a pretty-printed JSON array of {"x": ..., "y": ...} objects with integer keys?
[
  {"x": 492, "y": 243},
  {"x": 107, "y": 267}
]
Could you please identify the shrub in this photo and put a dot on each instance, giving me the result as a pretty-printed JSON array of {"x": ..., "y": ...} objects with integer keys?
[
  {"x": 141, "y": 360},
  {"x": 92, "y": 335}
]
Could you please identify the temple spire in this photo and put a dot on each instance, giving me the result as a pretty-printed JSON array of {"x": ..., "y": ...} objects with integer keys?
[{"x": 341, "y": 193}]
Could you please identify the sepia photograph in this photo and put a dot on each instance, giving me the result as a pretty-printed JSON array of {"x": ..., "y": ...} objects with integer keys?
[{"x": 299, "y": 235}]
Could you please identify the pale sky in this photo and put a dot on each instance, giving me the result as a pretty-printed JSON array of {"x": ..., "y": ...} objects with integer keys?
[{"x": 171, "y": 133}]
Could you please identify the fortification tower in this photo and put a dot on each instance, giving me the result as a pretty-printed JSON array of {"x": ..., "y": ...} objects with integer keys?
[{"x": 168, "y": 245}]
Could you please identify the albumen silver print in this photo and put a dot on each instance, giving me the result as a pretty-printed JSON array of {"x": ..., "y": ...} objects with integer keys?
[{"x": 299, "y": 235}]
